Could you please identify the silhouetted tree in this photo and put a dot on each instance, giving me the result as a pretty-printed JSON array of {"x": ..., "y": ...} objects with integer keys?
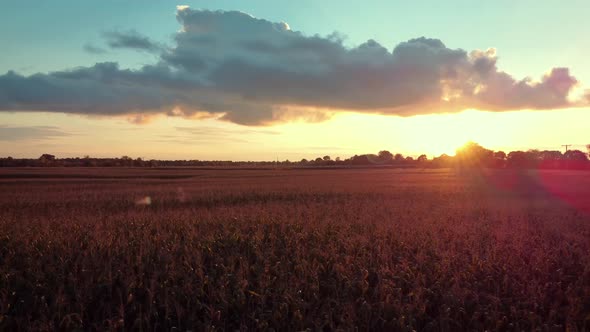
[
  {"x": 47, "y": 159},
  {"x": 474, "y": 155},
  {"x": 575, "y": 155},
  {"x": 575, "y": 159},
  {"x": 534, "y": 157},
  {"x": 517, "y": 159},
  {"x": 363, "y": 159},
  {"x": 385, "y": 156},
  {"x": 500, "y": 155},
  {"x": 499, "y": 159},
  {"x": 550, "y": 159},
  {"x": 87, "y": 161},
  {"x": 126, "y": 161},
  {"x": 138, "y": 162},
  {"x": 443, "y": 160},
  {"x": 551, "y": 155}
]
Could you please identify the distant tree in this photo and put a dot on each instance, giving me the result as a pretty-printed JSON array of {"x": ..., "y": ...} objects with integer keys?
[
  {"x": 363, "y": 159},
  {"x": 534, "y": 156},
  {"x": 47, "y": 159},
  {"x": 126, "y": 161},
  {"x": 501, "y": 155},
  {"x": 422, "y": 158},
  {"x": 338, "y": 159},
  {"x": 87, "y": 161},
  {"x": 138, "y": 162},
  {"x": 443, "y": 160},
  {"x": 398, "y": 157},
  {"x": 303, "y": 161},
  {"x": 551, "y": 155},
  {"x": 517, "y": 159},
  {"x": 319, "y": 160},
  {"x": 499, "y": 159},
  {"x": 474, "y": 155},
  {"x": 409, "y": 159},
  {"x": 326, "y": 158},
  {"x": 575, "y": 155},
  {"x": 575, "y": 159},
  {"x": 550, "y": 159},
  {"x": 385, "y": 156}
]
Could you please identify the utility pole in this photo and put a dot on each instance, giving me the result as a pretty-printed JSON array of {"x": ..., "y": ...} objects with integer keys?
[{"x": 566, "y": 146}]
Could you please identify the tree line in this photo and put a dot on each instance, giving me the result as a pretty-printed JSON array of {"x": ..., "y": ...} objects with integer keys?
[{"x": 472, "y": 155}]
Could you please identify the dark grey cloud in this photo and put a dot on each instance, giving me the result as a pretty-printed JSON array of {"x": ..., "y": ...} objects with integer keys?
[
  {"x": 252, "y": 71},
  {"x": 94, "y": 49},
  {"x": 8, "y": 133},
  {"x": 132, "y": 40},
  {"x": 101, "y": 89}
]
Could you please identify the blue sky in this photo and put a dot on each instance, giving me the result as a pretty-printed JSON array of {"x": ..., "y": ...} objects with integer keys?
[{"x": 531, "y": 36}]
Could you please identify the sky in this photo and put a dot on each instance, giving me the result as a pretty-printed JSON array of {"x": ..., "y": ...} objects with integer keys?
[{"x": 261, "y": 80}]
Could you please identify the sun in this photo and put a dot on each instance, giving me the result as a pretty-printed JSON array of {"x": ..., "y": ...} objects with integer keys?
[
  {"x": 432, "y": 135},
  {"x": 445, "y": 133}
]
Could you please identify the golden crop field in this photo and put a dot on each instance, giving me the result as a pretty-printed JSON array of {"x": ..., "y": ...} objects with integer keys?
[{"x": 294, "y": 249}]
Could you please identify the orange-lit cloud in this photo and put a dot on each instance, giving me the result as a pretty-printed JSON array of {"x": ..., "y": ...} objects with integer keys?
[{"x": 252, "y": 71}]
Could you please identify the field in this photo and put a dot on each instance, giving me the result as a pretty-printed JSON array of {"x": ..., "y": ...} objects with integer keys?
[{"x": 294, "y": 249}]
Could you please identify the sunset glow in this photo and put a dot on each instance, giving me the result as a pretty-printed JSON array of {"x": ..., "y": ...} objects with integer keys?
[{"x": 343, "y": 135}]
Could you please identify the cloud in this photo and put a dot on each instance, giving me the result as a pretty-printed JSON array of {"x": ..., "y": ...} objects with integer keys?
[
  {"x": 210, "y": 135},
  {"x": 214, "y": 131},
  {"x": 101, "y": 89},
  {"x": 8, "y": 133},
  {"x": 325, "y": 148},
  {"x": 94, "y": 49},
  {"x": 251, "y": 71},
  {"x": 132, "y": 40},
  {"x": 179, "y": 139}
]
